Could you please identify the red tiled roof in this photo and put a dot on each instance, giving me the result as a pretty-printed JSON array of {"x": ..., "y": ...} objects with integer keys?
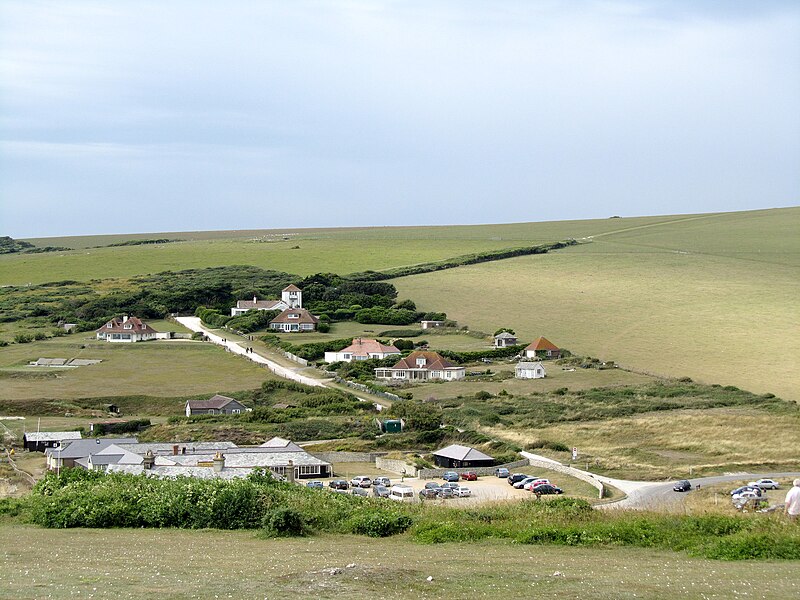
[
  {"x": 365, "y": 347},
  {"x": 433, "y": 361},
  {"x": 303, "y": 316},
  {"x": 542, "y": 344},
  {"x": 118, "y": 326}
]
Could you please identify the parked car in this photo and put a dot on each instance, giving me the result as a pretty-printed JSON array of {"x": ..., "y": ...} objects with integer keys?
[
  {"x": 462, "y": 492},
  {"x": 380, "y": 491},
  {"x": 358, "y": 491},
  {"x": 317, "y": 485},
  {"x": 401, "y": 493},
  {"x": 446, "y": 492},
  {"x": 428, "y": 494},
  {"x": 765, "y": 484},
  {"x": 361, "y": 481},
  {"x": 501, "y": 472},
  {"x": 743, "y": 488},
  {"x": 384, "y": 481},
  {"x": 512, "y": 479},
  {"x": 746, "y": 494},
  {"x": 519, "y": 484},
  {"x": 432, "y": 485},
  {"x": 545, "y": 489},
  {"x": 469, "y": 476},
  {"x": 451, "y": 476},
  {"x": 531, "y": 484},
  {"x": 450, "y": 484},
  {"x": 338, "y": 484},
  {"x": 682, "y": 486}
]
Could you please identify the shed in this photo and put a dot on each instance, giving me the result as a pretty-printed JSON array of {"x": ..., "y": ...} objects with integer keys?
[
  {"x": 505, "y": 339},
  {"x": 392, "y": 425},
  {"x": 36, "y": 441},
  {"x": 530, "y": 370},
  {"x": 456, "y": 456}
]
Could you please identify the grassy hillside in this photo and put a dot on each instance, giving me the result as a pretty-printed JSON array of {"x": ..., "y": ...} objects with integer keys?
[{"x": 711, "y": 297}]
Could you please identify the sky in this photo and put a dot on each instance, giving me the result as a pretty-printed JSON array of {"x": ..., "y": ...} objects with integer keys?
[{"x": 148, "y": 116}]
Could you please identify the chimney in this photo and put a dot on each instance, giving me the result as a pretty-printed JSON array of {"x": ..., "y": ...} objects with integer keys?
[
  {"x": 254, "y": 298},
  {"x": 175, "y": 450},
  {"x": 149, "y": 460},
  {"x": 290, "y": 472},
  {"x": 219, "y": 462},
  {"x": 124, "y": 318}
]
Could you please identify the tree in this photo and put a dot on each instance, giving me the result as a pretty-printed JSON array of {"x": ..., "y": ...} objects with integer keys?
[
  {"x": 505, "y": 330},
  {"x": 419, "y": 416}
]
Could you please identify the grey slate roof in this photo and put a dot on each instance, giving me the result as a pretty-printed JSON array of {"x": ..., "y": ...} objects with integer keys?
[
  {"x": 529, "y": 365},
  {"x": 173, "y": 472},
  {"x": 505, "y": 336},
  {"x": 166, "y": 447},
  {"x": 52, "y": 436},
  {"x": 81, "y": 448},
  {"x": 216, "y": 401},
  {"x": 457, "y": 452}
]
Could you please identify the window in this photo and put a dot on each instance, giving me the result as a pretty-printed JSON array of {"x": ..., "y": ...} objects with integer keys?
[
  {"x": 421, "y": 362},
  {"x": 128, "y": 326},
  {"x": 293, "y": 316},
  {"x": 236, "y": 411},
  {"x": 109, "y": 325},
  {"x": 347, "y": 356}
]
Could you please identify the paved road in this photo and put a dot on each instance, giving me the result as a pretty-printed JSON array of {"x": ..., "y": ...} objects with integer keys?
[
  {"x": 194, "y": 324},
  {"x": 658, "y": 495}
]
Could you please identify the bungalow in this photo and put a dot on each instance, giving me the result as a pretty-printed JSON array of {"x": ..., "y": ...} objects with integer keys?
[
  {"x": 36, "y": 441},
  {"x": 70, "y": 451},
  {"x": 291, "y": 297},
  {"x": 542, "y": 348},
  {"x": 126, "y": 329},
  {"x": 529, "y": 370},
  {"x": 505, "y": 339},
  {"x": 456, "y": 456},
  {"x": 362, "y": 349},
  {"x": 216, "y": 405},
  {"x": 421, "y": 366},
  {"x": 294, "y": 319}
]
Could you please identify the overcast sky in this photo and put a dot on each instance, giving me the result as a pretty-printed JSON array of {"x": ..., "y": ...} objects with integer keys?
[{"x": 121, "y": 116}]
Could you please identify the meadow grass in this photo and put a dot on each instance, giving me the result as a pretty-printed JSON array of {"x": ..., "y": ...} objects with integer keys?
[
  {"x": 713, "y": 298},
  {"x": 674, "y": 444},
  {"x": 156, "y": 368},
  {"x": 137, "y": 564}
]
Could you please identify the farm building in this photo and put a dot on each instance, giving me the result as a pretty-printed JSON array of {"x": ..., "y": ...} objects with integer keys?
[
  {"x": 542, "y": 348},
  {"x": 421, "y": 366},
  {"x": 36, "y": 441},
  {"x": 126, "y": 329},
  {"x": 529, "y": 370},
  {"x": 216, "y": 405},
  {"x": 362, "y": 349},
  {"x": 505, "y": 339},
  {"x": 294, "y": 319},
  {"x": 456, "y": 456}
]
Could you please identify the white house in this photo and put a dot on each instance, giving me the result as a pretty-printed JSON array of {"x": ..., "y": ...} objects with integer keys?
[
  {"x": 529, "y": 370},
  {"x": 126, "y": 329},
  {"x": 291, "y": 297},
  {"x": 362, "y": 349},
  {"x": 294, "y": 319},
  {"x": 422, "y": 366},
  {"x": 505, "y": 339}
]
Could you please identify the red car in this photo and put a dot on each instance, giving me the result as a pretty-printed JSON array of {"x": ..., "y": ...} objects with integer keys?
[{"x": 469, "y": 476}]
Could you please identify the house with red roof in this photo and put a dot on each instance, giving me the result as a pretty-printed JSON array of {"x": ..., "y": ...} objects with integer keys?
[
  {"x": 362, "y": 349},
  {"x": 126, "y": 329},
  {"x": 293, "y": 320},
  {"x": 542, "y": 348},
  {"x": 421, "y": 366}
]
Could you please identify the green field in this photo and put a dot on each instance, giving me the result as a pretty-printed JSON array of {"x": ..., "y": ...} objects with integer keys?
[
  {"x": 712, "y": 297},
  {"x": 179, "y": 564},
  {"x": 158, "y": 368}
]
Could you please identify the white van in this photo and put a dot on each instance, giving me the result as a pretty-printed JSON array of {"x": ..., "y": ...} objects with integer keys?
[{"x": 401, "y": 493}]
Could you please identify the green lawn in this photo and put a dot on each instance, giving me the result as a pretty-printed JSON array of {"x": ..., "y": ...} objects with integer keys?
[
  {"x": 179, "y": 564},
  {"x": 156, "y": 368},
  {"x": 713, "y": 298}
]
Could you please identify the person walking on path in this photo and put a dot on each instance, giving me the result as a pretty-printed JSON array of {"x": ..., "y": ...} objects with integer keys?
[{"x": 792, "y": 502}]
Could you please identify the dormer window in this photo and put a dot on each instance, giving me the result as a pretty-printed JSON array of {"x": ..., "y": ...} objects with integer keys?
[
  {"x": 294, "y": 316},
  {"x": 110, "y": 325},
  {"x": 127, "y": 326},
  {"x": 421, "y": 362}
]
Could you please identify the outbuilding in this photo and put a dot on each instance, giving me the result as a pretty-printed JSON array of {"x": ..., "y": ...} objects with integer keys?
[
  {"x": 456, "y": 456},
  {"x": 529, "y": 370}
]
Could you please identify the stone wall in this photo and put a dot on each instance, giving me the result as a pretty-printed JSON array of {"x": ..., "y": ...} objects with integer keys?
[
  {"x": 347, "y": 457},
  {"x": 396, "y": 466},
  {"x": 577, "y": 474},
  {"x": 481, "y": 471}
]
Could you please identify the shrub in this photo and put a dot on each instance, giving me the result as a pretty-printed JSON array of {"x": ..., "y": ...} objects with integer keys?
[
  {"x": 284, "y": 522},
  {"x": 379, "y": 524},
  {"x": 23, "y": 338},
  {"x": 483, "y": 395}
]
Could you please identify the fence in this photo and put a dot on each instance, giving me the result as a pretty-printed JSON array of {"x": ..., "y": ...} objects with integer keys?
[
  {"x": 293, "y": 357},
  {"x": 365, "y": 388},
  {"x": 481, "y": 471}
]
